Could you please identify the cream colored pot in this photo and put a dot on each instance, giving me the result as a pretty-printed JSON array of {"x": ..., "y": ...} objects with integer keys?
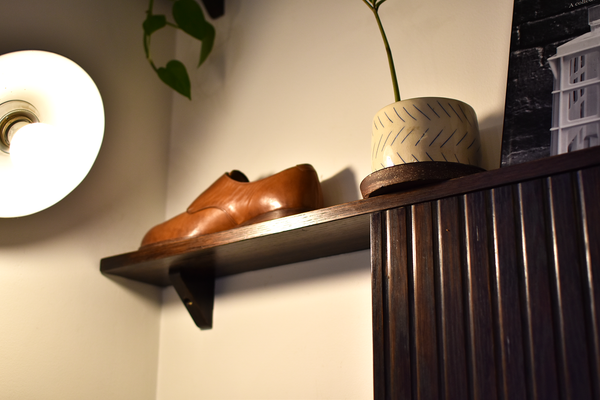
[{"x": 425, "y": 129}]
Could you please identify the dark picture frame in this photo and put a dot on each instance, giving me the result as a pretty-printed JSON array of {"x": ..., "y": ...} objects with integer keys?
[{"x": 539, "y": 27}]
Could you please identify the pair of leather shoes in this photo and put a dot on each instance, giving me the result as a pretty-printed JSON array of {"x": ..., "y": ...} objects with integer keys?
[{"x": 234, "y": 201}]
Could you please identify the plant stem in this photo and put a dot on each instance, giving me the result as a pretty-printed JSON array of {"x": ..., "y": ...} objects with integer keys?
[
  {"x": 147, "y": 39},
  {"x": 150, "y": 6},
  {"x": 388, "y": 50}
]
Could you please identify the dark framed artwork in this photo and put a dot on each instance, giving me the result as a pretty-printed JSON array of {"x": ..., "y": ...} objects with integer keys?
[{"x": 553, "y": 90}]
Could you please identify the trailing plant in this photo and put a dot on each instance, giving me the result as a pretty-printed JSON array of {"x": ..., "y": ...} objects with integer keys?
[
  {"x": 189, "y": 18},
  {"x": 374, "y": 6}
]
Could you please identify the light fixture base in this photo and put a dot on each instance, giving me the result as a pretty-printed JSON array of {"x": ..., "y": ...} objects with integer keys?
[{"x": 14, "y": 114}]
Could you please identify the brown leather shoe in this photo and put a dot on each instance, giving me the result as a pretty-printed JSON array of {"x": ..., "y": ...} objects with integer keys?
[{"x": 233, "y": 201}]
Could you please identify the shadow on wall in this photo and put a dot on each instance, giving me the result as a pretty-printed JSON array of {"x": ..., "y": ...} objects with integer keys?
[
  {"x": 292, "y": 274},
  {"x": 142, "y": 290},
  {"x": 490, "y": 131},
  {"x": 340, "y": 188}
]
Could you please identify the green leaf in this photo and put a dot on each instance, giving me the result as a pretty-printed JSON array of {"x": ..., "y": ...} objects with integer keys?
[
  {"x": 190, "y": 18},
  {"x": 175, "y": 75},
  {"x": 207, "y": 45},
  {"x": 154, "y": 23}
]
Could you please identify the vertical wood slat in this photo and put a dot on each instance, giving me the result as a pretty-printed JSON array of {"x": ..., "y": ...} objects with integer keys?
[
  {"x": 536, "y": 306},
  {"x": 452, "y": 352},
  {"x": 566, "y": 265},
  {"x": 391, "y": 330},
  {"x": 399, "y": 327},
  {"x": 380, "y": 369},
  {"x": 505, "y": 290},
  {"x": 496, "y": 292},
  {"x": 478, "y": 298},
  {"x": 589, "y": 194},
  {"x": 424, "y": 338}
]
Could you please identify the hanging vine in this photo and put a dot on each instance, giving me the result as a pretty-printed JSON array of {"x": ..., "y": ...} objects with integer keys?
[{"x": 189, "y": 18}]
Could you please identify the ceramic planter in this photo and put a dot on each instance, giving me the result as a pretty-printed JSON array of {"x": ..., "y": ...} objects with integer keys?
[{"x": 424, "y": 130}]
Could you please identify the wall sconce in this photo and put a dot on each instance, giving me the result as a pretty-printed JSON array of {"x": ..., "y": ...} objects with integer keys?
[{"x": 51, "y": 129}]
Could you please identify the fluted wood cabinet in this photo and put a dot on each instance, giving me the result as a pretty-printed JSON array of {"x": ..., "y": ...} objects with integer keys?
[
  {"x": 490, "y": 294},
  {"x": 484, "y": 287}
]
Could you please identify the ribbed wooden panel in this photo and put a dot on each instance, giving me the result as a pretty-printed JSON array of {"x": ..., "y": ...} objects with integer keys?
[
  {"x": 506, "y": 294},
  {"x": 449, "y": 295},
  {"x": 490, "y": 295},
  {"x": 589, "y": 193}
]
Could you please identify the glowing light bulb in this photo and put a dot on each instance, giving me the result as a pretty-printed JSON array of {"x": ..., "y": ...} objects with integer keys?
[
  {"x": 51, "y": 155},
  {"x": 40, "y": 172},
  {"x": 31, "y": 147}
]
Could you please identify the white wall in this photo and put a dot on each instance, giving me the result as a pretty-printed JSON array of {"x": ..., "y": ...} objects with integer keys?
[
  {"x": 298, "y": 81},
  {"x": 289, "y": 82},
  {"x": 66, "y": 331}
]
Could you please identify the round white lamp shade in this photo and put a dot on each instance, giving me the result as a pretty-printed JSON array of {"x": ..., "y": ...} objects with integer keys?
[{"x": 54, "y": 142}]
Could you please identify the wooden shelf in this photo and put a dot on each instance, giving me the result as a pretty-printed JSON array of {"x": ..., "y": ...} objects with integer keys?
[
  {"x": 321, "y": 233},
  {"x": 329, "y": 231}
]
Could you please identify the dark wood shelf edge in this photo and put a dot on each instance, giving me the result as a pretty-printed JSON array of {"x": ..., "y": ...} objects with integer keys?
[
  {"x": 242, "y": 254},
  {"x": 329, "y": 231}
]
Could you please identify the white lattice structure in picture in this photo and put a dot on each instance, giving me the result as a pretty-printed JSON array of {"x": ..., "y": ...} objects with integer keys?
[{"x": 576, "y": 94}]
